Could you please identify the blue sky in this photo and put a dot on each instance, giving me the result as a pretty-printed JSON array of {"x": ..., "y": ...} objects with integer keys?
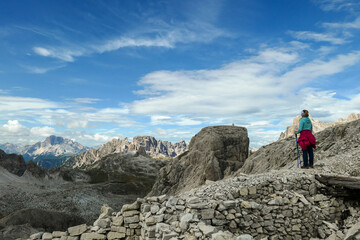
[{"x": 94, "y": 70}]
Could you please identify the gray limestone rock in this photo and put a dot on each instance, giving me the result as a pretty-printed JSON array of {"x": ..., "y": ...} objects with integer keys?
[
  {"x": 214, "y": 152},
  {"x": 353, "y": 232},
  {"x": 245, "y": 237},
  {"x": 47, "y": 236},
  {"x": 92, "y": 236},
  {"x": 207, "y": 230},
  {"x": 115, "y": 235},
  {"x": 77, "y": 230},
  {"x": 185, "y": 219}
]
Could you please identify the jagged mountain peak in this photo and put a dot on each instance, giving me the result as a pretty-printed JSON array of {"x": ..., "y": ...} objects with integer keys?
[
  {"x": 54, "y": 140},
  {"x": 53, "y": 146}
]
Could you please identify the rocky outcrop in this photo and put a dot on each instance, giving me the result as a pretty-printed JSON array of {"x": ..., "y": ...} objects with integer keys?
[
  {"x": 13, "y": 163},
  {"x": 213, "y": 153},
  {"x": 36, "y": 170},
  {"x": 16, "y": 164},
  {"x": 126, "y": 173},
  {"x": 154, "y": 148},
  {"x": 317, "y": 125},
  {"x": 337, "y": 152}
]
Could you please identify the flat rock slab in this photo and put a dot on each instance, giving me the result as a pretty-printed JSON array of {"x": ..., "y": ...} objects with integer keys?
[
  {"x": 77, "y": 230},
  {"x": 92, "y": 236}
]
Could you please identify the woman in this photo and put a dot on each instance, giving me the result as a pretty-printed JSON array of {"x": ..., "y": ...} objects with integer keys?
[{"x": 306, "y": 140}]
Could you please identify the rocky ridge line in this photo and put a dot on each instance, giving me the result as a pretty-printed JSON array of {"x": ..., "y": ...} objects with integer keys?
[{"x": 153, "y": 147}]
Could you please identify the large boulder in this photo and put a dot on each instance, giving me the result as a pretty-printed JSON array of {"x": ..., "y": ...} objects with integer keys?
[
  {"x": 213, "y": 153},
  {"x": 13, "y": 163}
]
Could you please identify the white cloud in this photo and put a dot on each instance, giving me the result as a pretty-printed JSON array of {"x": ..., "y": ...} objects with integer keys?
[
  {"x": 158, "y": 120},
  {"x": 276, "y": 55},
  {"x": 318, "y": 68},
  {"x": 318, "y": 37},
  {"x": 65, "y": 54},
  {"x": 86, "y": 100},
  {"x": 13, "y": 104},
  {"x": 98, "y": 137},
  {"x": 173, "y": 120},
  {"x": 42, "y": 131},
  {"x": 75, "y": 124},
  {"x": 2, "y": 91},
  {"x": 345, "y": 25},
  {"x": 54, "y": 113},
  {"x": 338, "y": 5},
  {"x": 252, "y": 86},
  {"x": 14, "y": 132},
  {"x": 13, "y": 126},
  {"x": 116, "y": 44},
  {"x": 253, "y": 93},
  {"x": 41, "y": 70},
  {"x": 42, "y": 51},
  {"x": 160, "y": 131}
]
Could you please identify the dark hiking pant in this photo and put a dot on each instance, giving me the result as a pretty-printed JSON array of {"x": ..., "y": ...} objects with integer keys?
[{"x": 308, "y": 161}]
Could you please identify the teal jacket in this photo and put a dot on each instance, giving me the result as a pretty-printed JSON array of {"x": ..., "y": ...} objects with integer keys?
[{"x": 305, "y": 124}]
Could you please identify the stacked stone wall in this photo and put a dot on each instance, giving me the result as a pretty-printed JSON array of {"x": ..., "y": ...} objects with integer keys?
[{"x": 287, "y": 206}]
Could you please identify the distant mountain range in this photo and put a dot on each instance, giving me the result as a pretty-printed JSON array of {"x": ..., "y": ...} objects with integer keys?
[
  {"x": 11, "y": 148},
  {"x": 52, "y": 152},
  {"x": 146, "y": 144},
  {"x": 57, "y": 151}
]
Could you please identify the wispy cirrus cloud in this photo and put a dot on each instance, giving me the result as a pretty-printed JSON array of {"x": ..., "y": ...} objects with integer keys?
[
  {"x": 62, "y": 114},
  {"x": 3, "y": 91},
  {"x": 318, "y": 37},
  {"x": 345, "y": 25},
  {"x": 166, "y": 36},
  {"x": 41, "y": 70},
  {"x": 13, "y": 104},
  {"x": 86, "y": 100},
  {"x": 338, "y": 5},
  {"x": 65, "y": 54}
]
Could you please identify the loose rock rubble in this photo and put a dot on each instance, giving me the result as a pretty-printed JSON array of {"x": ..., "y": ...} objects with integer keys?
[{"x": 277, "y": 205}]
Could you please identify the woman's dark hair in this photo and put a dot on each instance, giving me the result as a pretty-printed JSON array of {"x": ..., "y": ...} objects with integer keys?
[{"x": 305, "y": 113}]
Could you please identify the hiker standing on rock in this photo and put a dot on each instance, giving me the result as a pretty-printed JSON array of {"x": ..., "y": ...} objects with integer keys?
[{"x": 306, "y": 140}]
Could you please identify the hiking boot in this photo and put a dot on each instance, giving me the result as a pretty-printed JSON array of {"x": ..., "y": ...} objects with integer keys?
[{"x": 304, "y": 167}]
